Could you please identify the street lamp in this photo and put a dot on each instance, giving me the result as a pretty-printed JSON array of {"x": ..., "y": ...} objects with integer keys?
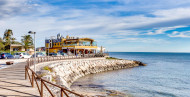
[{"x": 31, "y": 32}]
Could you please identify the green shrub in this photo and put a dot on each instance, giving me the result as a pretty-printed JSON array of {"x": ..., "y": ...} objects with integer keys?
[
  {"x": 48, "y": 68},
  {"x": 41, "y": 75},
  {"x": 113, "y": 58}
]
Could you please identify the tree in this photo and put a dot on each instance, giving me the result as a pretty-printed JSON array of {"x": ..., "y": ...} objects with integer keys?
[
  {"x": 13, "y": 41},
  {"x": 7, "y": 37},
  {"x": 1, "y": 44},
  {"x": 27, "y": 41}
]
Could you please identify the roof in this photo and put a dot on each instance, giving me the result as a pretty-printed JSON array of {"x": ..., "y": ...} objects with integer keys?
[
  {"x": 16, "y": 45},
  {"x": 89, "y": 39}
]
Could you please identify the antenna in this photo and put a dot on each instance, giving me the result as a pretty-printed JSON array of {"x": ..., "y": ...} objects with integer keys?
[{"x": 66, "y": 33}]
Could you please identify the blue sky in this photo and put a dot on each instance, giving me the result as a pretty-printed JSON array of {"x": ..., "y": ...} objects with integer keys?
[{"x": 118, "y": 25}]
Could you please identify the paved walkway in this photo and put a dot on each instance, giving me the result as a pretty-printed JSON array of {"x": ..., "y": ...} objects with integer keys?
[{"x": 13, "y": 83}]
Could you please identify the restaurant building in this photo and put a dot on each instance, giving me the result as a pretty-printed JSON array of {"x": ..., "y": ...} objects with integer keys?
[{"x": 70, "y": 45}]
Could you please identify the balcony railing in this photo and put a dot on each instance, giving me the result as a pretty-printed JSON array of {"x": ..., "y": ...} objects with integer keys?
[{"x": 78, "y": 45}]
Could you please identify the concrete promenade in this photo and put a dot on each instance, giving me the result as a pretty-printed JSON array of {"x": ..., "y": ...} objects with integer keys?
[{"x": 13, "y": 83}]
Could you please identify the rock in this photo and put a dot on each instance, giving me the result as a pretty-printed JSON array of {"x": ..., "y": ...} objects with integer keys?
[
  {"x": 44, "y": 71},
  {"x": 61, "y": 81},
  {"x": 47, "y": 77}
]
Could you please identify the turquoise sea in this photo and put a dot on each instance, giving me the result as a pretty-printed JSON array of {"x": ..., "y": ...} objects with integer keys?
[{"x": 166, "y": 75}]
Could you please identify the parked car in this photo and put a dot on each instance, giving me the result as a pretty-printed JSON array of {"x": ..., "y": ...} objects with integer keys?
[
  {"x": 39, "y": 55},
  {"x": 57, "y": 54},
  {"x": 21, "y": 55},
  {"x": 6, "y": 56},
  {"x": 53, "y": 54},
  {"x": 64, "y": 54}
]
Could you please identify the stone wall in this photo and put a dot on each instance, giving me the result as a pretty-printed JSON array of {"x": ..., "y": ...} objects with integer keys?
[{"x": 65, "y": 72}]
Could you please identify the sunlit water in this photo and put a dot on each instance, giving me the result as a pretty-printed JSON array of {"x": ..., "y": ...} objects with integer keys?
[{"x": 166, "y": 75}]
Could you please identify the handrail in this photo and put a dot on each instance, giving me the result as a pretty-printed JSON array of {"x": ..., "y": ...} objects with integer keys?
[{"x": 35, "y": 77}]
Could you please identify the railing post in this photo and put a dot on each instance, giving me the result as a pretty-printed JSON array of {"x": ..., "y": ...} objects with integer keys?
[
  {"x": 41, "y": 88},
  {"x": 25, "y": 72},
  {"x": 32, "y": 79},
  {"x": 61, "y": 92}
]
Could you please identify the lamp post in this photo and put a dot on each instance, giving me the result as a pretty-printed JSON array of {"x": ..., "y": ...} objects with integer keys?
[
  {"x": 48, "y": 47},
  {"x": 31, "y": 32}
]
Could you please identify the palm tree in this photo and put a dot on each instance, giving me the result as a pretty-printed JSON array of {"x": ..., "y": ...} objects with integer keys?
[
  {"x": 1, "y": 44},
  {"x": 8, "y": 36},
  {"x": 27, "y": 41},
  {"x": 13, "y": 41}
]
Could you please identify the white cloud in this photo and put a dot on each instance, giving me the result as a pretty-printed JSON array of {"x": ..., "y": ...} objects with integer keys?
[
  {"x": 77, "y": 22},
  {"x": 185, "y": 34},
  {"x": 145, "y": 40},
  {"x": 11, "y": 8},
  {"x": 173, "y": 13},
  {"x": 48, "y": 20},
  {"x": 163, "y": 30}
]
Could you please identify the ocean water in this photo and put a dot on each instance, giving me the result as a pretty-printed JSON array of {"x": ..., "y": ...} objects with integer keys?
[{"x": 166, "y": 75}]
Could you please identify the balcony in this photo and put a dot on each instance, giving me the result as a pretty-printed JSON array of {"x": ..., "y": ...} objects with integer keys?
[
  {"x": 79, "y": 45},
  {"x": 82, "y": 44}
]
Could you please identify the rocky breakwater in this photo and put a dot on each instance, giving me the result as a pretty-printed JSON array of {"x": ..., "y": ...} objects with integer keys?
[{"x": 64, "y": 73}]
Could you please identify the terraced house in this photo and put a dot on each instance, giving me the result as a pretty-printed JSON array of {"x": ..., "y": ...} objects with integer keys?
[{"x": 70, "y": 45}]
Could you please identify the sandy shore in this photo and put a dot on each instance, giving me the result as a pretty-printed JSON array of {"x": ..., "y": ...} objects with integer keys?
[{"x": 95, "y": 90}]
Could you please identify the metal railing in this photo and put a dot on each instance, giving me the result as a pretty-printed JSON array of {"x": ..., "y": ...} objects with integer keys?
[{"x": 33, "y": 77}]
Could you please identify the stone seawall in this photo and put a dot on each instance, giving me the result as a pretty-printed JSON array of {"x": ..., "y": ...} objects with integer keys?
[{"x": 65, "y": 72}]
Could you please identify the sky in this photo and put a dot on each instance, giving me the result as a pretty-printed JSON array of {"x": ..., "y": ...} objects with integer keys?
[{"x": 118, "y": 25}]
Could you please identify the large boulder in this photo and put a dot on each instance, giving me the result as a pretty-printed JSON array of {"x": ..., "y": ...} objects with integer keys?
[{"x": 47, "y": 77}]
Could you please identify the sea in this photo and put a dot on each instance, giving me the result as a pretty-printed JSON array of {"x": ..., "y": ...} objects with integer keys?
[{"x": 166, "y": 75}]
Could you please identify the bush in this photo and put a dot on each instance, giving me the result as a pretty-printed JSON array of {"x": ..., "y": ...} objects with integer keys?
[
  {"x": 48, "y": 68},
  {"x": 113, "y": 58}
]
